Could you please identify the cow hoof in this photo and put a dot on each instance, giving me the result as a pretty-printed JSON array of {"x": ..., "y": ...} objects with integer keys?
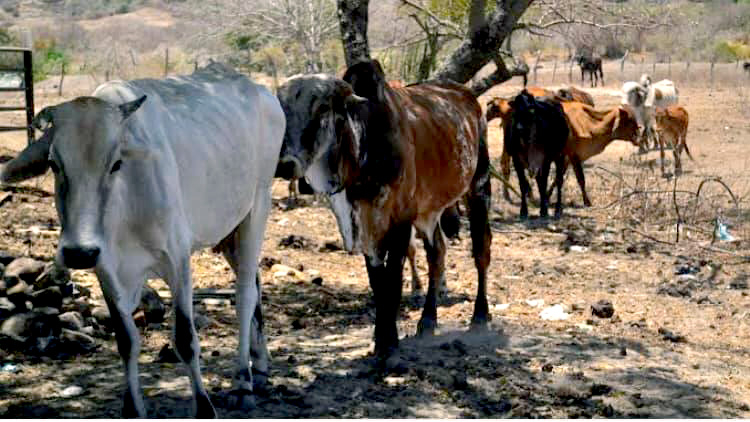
[
  {"x": 241, "y": 399},
  {"x": 260, "y": 383},
  {"x": 426, "y": 327}
]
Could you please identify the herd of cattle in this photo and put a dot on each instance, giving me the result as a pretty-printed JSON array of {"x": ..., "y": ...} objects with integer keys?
[{"x": 148, "y": 171}]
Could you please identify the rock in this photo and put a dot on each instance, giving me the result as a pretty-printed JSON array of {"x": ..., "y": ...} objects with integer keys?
[
  {"x": 603, "y": 309},
  {"x": 269, "y": 261},
  {"x": 298, "y": 324},
  {"x": 7, "y": 308},
  {"x": 671, "y": 336},
  {"x": 296, "y": 242},
  {"x": 6, "y": 258},
  {"x": 331, "y": 246},
  {"x": 139, "y": 317},
  {"x": 101, "y": 314},
  {"x": 315, "y": 277},
  {"x": 3, "y": 287},
  {"x": 201, "y": 321},
  {"x": 80, "y": 305},
  {"x": 81, "y": 291},
  {"x": 15, "y": 327},
  {"x": 459, "y": 381},
  {"x": 71, "y": 320},
  {"x": 19, "y": 293},
  {"x": 282, "y": 271},
  {"x": 50, "y": 297},
  {"x": 547, "y": 367},
  {"x": 31, "y": 325},
  {"x": 77, "y": 340},
  {"x": 739, "y": 282},
  {"x": 26, "y": 269},
  {"x": 2, "y": 270},
  {"x": 459, "y": 346},
  {"x": 623, "y": 351},
  {"x": 152, "y": 305},
  {"x": 71, "y": 391},
  {"x": 52, "y": 275},
  {"x": 600, "y": 389},
  {"x": 167, "y": 355}
]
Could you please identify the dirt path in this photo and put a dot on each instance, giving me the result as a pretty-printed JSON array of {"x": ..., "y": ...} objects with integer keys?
[{"x": 523, "y": 366}]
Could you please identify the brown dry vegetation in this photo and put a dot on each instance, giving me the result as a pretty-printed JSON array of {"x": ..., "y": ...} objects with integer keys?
[{"x": 320, "y": 336}]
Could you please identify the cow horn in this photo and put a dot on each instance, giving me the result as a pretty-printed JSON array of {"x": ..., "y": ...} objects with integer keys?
[{"x": 130, "y": 107}]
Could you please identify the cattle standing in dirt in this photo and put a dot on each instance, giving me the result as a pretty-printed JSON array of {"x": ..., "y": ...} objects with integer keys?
[
  {"x": 392, "y": 158},
  {"x": 592, "y": 65},
  {"x": 671, "y": 125},
  {"x": 591, "y": 131},
  {"x": 148, "y": 171},
  {"x": 643, "y": 96},
  {"x": 537, "y": 132}
]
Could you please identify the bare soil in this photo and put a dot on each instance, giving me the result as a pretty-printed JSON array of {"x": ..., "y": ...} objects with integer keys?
[{"x": 676, "y": 354}]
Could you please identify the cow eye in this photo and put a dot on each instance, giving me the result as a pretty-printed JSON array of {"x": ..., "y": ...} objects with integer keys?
[
  {"x": 116, "y": 166},
  {"x": 53, "y": 166}
]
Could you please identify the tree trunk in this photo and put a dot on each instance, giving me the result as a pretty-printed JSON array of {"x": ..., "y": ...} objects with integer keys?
[
  {"x": 353, "y": 25},
  {"x": 482, "y": 47}
]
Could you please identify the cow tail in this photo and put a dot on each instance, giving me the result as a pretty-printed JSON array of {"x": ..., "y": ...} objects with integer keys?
[{"x": 479, "y": 198}]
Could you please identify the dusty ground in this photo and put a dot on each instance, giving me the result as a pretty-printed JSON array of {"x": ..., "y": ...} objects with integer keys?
[{"x": 320, "y": 336}]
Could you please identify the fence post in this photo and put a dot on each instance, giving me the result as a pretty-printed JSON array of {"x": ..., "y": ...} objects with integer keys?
[
  {"x": 653, "y": 70},
  {"x": 622, "y": 63},
  {"x": 166, "y": 62},
  {"x": 554, "y": 69},
  {"x": 570, "y": 72},
  {"x": 28, "y": 76},
  {"x": 713, "y": 61},
  {"x": 643, "y": 60},
  {"x": 536, "y": 65},
  {"x": 62, "y": 78},
  {"x": 687, "y": 70},
  {"x": 669, "y": 67}
]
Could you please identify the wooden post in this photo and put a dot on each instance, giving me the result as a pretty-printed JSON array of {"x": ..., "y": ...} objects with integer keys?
[
  {"x": 570, "y": 72},
  {"x": 669, "y": 67},
  {"x": 643, "y": 60},
  {"x": 713, "y": 61},
  {"x": 536, "y": 64},
  {"x": 554, "y": 69},
  {"x": 653, "y": 70},
  {"x": 166, "y": 62},
  {"x": 28, "y": 76},
  {"x": 62, "y": 78},
  {"x": 622, "y": 63}
]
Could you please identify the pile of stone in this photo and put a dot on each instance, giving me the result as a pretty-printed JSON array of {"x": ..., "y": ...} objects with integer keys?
[{"x": 42, "y": 312}]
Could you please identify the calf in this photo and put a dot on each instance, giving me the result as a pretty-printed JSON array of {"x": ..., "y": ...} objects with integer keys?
[
  {"x": 591, "y": 131},
  {"x": 671, "y": 125},
  {"x": 537, "y": 132},
  {"x": 148, "y": 171}
]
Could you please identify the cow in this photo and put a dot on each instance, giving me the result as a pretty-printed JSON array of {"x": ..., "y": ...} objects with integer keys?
[
  {"x": 746, "y": 67},
  {"x": 591, "y": 64},
  {"x": 671, "y": 124},
  {"x": 643, "y": 96},
  {"x": 392, "y": 158},
  {"x": 536, "y": 135},
  {"x": 590, "y": 133},
  {"x": 148, "y": 171}
]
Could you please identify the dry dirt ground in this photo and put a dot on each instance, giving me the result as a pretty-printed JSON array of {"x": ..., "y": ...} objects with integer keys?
[{"x": 675, "y": 347}]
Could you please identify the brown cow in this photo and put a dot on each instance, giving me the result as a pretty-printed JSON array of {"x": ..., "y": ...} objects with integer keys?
[
  {"x": 588, "y": 135},
  {"x": 591, "y": 131},
  {"x": 392, "y": 159},
  {"x": 572, "y": 93},
  {"x": 671, "y": 124}
]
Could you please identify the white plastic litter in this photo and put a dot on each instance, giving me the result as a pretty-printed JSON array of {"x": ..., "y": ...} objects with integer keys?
[
  {"x": 535, "y": 303},
  {"x": 579, "y": 248},
  {"x": 554, "y": 313}
]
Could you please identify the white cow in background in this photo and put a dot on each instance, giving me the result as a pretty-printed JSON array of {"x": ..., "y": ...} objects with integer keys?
[
  {"x": 644, "y": 96},
  {"x": 148, "y": 171}
]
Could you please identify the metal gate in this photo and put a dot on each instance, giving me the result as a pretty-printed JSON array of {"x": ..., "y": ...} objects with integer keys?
[{"x": 27, "y": 86}]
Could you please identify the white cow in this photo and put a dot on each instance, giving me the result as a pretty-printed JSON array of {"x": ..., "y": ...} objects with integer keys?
[
  {"x": 148, "y": 171},
  {"x": 644, "y": 96}
]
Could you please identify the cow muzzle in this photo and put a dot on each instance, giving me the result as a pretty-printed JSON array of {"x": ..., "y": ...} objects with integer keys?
[
  {"x": 80, "y": 257},
  {"x": 289, "y": 168}
]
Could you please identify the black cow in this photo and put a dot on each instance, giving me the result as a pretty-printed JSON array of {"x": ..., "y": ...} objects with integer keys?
[
  {"x": 746, "y": 66},
  {"x": 592, "y": 65},
  {"x": 537, "y": 134}
]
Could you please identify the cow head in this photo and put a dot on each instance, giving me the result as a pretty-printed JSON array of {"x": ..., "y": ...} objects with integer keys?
[
  {"x": 498, "y": 108},
  {"x": 324, "y": 127},
  {"x": 85, "y": 146},
  {"x": 626, "y": 125}
]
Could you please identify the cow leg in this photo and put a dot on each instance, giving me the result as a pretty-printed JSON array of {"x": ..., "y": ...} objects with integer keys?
[
  {"x": 480, "y": 197},
  {"x": 185, "y": 337},
  {"x": 578, "y": 169},
  {"x": 505, "y": 171},
  {"x": 523, "y": 184},
  {"x": 541, "y": 182},
  {"x": 560, "y": 168},
  {"x": 416, "y": 285},
  {"x": 660, "y": 141},
  {"x": 252, "y": 345},
  {"x": 386, "y": 280},
  {"x": 120, "y": 294},
  {"x": 435, "y": 249}
]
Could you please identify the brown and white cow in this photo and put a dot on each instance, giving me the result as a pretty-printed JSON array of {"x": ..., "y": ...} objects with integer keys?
[
  {"x": 392, "y": 158},
  {"x": 671, "y": 124}
]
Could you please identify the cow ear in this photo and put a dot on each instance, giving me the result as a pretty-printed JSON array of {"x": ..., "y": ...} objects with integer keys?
[
  {"x": 43, "y": 119},
  {"x": 33, "y": 161},
  {"x": 129, "y": 108}
]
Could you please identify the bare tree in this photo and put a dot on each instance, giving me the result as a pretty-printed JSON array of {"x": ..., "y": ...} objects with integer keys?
[{"x": 353, "y": 18}]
